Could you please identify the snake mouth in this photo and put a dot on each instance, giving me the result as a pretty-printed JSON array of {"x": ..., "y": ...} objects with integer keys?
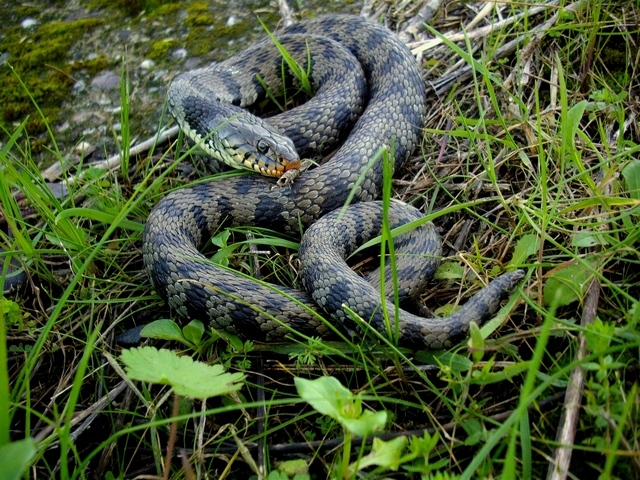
[
  {"x": 294, "y": 165},
  {"x": 280, "y": 169}
]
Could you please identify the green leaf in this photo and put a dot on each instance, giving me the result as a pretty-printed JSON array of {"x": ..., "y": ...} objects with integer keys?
[
  {"x": 568, "y": 284},
  {"x": 220, "y": 240},
  {"x": 598, "y": 336},
  {"x": 384, "y": 454},
  {"x": 193, "y": 331},
  {"x": 329, "y": 397},
  {"x": 574, "y": 115},
  {"x": 164, "y": 329},
  {"x": 474, "y": 430},
  {"x": 366, "y": 424},
  {"x": 527, "y": 246},
  {"x": 16, "y": 457},
  {"x": 631, "y": 175},
  {"x": 587, "y": 239},
  {"x": 324, "y": 394},
  {"x": 186, "y": 376},
  {"x": 476, "y": 342},
  {"x": 294, "y": 467},
  {"x": 452, "y": 361},
  {"x": 486, "y": 376},
  {"x": 301, "y": 74},
  {"x": 277, "y": 475},
  {"x": 449, "y": 271}
]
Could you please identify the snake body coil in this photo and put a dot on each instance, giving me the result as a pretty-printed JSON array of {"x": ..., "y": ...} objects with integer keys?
[{"x": 393, "y": 114}]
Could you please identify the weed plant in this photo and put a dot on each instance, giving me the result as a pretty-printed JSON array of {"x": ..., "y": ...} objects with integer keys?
[{"x": 530, "y": 159}]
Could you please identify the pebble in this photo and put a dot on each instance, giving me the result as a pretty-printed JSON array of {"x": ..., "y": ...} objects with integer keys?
[
  {"x": 179, "y": 54},
  {"x": 147, "y": 64},
  {"x": 106, "y": 81},
  {"x": 28, "y": 23},
  {"x": 79, "y": 86},
  {"x": 83, "y": 148}
]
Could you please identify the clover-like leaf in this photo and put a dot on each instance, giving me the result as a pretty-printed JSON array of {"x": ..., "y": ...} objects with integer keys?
[{"x": 186, "y": 376}]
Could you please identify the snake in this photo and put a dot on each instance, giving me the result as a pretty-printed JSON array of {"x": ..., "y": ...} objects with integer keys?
[{"x": 382, "y": 109}]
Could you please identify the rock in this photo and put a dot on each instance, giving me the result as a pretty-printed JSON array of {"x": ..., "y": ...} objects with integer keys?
[
  {"x": 28, "y": 23},
  {"x": 106, "y": 81},
  {"x": 179, "y": 54},
  {"x": 147, "y": 64},
  {"x": 79, "y": 86}
]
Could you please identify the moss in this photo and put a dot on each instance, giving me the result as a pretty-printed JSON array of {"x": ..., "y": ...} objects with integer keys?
[
  {"x": 202, "y": 41},
  {"x": 159, "y": 49},
  {"x": 93, "y": 66},
  {"x": 133, "y": 8},
  {"x": 24, "y": 11},
  {"x": 210, "y": 33},
  {"x": 165, "y": 10},
  {"x": 39, "y": 59}
]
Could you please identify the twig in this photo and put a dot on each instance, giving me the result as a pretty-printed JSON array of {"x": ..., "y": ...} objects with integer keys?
[
  {"x": 114, "y": 161},
  {"x": 559, "y": 466},
  {"x": 416, "y": 25},
  {"x": 367, "y": 8},
  {"x": 173, "y": 432},
  {"x": 422, "y": 46},
  {"x": 285, "y": 12},
  {"x": 88, "y": 415},
  {"x": 444, "y": 83}
]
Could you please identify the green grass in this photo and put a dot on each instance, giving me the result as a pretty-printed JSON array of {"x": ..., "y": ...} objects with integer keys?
[{"x": 530, "y": 161}]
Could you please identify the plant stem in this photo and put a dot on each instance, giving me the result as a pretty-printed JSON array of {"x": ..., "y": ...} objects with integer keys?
[{"x": 346, "y": 455}]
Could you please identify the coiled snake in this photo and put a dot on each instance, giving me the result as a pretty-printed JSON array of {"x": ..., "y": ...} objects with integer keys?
[{"x": 393, "y": 115}]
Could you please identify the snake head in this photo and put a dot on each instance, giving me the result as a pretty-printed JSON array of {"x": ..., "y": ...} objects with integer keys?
[
  {"x": 246, "y": 141},
  {"x": 233, "y": 135}
]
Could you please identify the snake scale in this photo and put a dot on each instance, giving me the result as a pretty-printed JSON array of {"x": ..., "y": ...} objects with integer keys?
[{"x": 392, "y": 115}]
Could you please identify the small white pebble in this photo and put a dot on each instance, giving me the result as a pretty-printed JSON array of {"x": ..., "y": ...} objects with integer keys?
[
  {"x": 147, "y": 64},
  {"x": 232, "y": 20},
  {"x": 83, "y": 147},
  {"x": 28, "y": 23},
  {"x": 179, "y": 54}
]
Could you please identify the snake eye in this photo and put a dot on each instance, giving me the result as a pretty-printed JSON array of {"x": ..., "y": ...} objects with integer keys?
[{"x": 263, "y": 147}]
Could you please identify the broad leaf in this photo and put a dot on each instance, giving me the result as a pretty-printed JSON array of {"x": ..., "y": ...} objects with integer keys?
[{"x": 186, "y": 376}]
